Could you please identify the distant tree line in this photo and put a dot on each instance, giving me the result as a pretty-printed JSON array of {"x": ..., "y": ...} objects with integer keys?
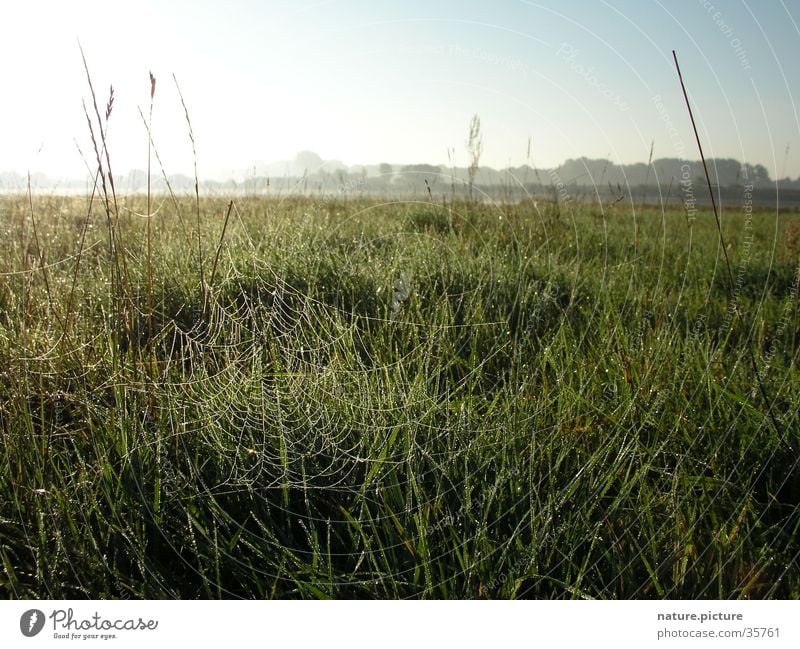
[{"x": 582, "y": 173}]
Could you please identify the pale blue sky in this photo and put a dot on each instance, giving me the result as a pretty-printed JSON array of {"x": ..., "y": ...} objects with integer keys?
[{"x": 374, "y": 81}]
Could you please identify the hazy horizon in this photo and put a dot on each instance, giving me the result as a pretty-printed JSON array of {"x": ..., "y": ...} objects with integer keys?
[
  {"x": 368, "y": 83},
  {"x": 724, "y": 171}
]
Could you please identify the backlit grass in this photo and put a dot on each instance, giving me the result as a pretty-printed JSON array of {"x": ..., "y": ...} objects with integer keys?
[{"x": 395, "y": 399}]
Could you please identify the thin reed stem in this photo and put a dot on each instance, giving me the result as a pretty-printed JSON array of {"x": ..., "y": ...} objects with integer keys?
[
  {"x": 150, "y": 218},
  {"x": 219, "y": 244},
  {"x": 748, "y": 341},
  {"x": 196, "y": 182}
]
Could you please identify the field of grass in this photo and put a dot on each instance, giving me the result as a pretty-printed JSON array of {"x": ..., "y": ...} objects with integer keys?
[{"x": 314, "y": 398}]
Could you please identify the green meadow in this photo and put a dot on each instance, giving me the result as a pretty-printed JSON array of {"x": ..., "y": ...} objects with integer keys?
[{"x": 319, "y": 398}]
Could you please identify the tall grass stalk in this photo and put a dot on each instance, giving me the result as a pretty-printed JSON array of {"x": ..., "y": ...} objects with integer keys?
[
  {"x": 734, "y": 301},
  {"x": 196, "y": 186},
  {"x": 150, "y": 216}
]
